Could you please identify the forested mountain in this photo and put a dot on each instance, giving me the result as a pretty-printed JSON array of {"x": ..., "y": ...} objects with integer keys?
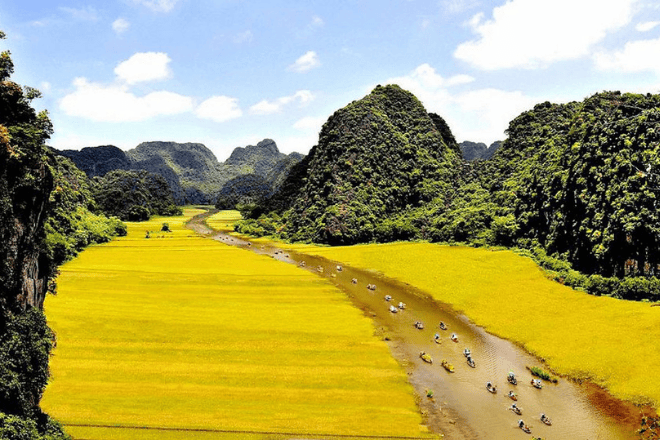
[
  {"x": 26, "y": 185},
  {"x": 191, "y": 170},
  {"x": 478, "y": 150},
  {"x": 376, "y": 158},
  {"x": 133, "y": 195}
]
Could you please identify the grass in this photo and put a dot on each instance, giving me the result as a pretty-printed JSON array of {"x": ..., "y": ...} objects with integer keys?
[
  {"x": 612, "y": 342},
  {"x": 538, "y": 372},
  {"x": 177, "y": 331}
]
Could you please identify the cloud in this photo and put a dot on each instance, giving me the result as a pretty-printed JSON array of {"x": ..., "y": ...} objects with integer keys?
[
  {"x": 636, "y": 56},
  {"x": 158, "y": 5},
  {"x": 317, "y": 22},
  {"x": 243, "y": 37},
  {"x": 646, "y": 26},
  {"x": 308, "y": 61},
  {"x": 115, "y": 103},
  {"x": 219, "y": 109},
  {"x": 120, "y": 26},
  {"x": 266, "y": 107},
  {"x": 144, "y": 66},
  {"x": 479, "y": 115},
  {"x": 532, "y": 34},
  {"x": 45, "y": 87},
  {"x": 310, "y": 124},
  {"x": 457, "y": 6},
  {"x": 86, "y": 13}
]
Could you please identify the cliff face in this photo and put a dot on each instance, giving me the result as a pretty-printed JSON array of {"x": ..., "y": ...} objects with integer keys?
[{"x": 25, "y": 186}]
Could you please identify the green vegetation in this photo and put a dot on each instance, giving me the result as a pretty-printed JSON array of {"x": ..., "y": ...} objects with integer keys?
[
  {"x": 575, "y": 186},
  {"x": 377, "y": 158},
  {"x": 539, "y": 372},
  {"x": 72, "y": 224},
  {"x": 134, "y": 195},
  {"x": 26, "y": 182}
]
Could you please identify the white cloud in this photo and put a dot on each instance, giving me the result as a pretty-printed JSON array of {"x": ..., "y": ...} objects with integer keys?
[
  {"x": 120, "y": 25},
  {"x": 158, "y": 5},
  {"x": 310, "y": 124},
  {"x": 456, "y": 6},
  {"x": 306, "y": 62},
  {"x": 636, "y": 56},
  {"x": 144, "y": 66},
  {"x": 86, "y": 13},
  {"x": 219, "y": 109},
  {"x": 113, "y": 103},
  {"x": 266, "y": 107},
  {"x": 317, "y": 22},
  {"x": 535, "y": 33},
  {"x": 243, "y": 37},
  {"x": 45, "y": 87},
  {"x": 646, "y": 26},
  {"x": 478, "y": 115}
]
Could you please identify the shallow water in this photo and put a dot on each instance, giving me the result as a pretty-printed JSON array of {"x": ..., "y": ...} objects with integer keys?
[{"x": 461, "y": 407}]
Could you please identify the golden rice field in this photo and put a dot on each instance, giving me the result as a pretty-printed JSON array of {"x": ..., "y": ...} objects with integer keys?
[
  {"x": 612, "y": 342},
  {"x": 194, "y": 336}
]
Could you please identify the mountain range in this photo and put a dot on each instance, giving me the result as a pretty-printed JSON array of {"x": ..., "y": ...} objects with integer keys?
[{"x": 192, "y": 171}]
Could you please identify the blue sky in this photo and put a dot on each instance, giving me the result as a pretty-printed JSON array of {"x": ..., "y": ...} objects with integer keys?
[{"x": 229, "y": 73}]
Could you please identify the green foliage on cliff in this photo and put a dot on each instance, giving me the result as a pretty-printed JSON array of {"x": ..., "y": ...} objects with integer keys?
[
  {"x": 26, "y": 182},
  {"x": 72, "y": 224},
  {"x": 133, "y": 195},
  {"x": 376, "y": 159}
]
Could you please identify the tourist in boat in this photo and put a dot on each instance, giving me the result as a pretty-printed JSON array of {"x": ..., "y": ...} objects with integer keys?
[
  {"x": 402, "y": 306},
  {"x": 536, "y": 383},
  {"x": 491, "y": 388},
  {"x": 443, "y": 326},
  {"x": 354, "y": 281},
  {"x": 515, "y": 409},
  {"x": 454, "y": 337},
  {"x": 388, "y": 297},
  {"x": 470, "y": 362},
  {"x": 436, "y": 337},
  {"x": 511, "y": 377},
  {"x": 466, "y": 352},
  {"x": 545, "y": 419},
  {"x": 512, "y": 395}
]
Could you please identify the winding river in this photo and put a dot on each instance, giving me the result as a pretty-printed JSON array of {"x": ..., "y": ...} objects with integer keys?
[{"x": 461, "y": 407}]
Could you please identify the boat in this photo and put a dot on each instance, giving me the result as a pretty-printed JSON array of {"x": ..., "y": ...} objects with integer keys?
[
  {"x": 512, "y": 378},
  {"x": 354, "y": 281},
  {"x": 371, "y": 286},
  {"x": 419, "y": 325},
  {"x": 402, "y": 305},
  {"x": 426, "y": 357},
  {"x": 443, "y": 326},
  {"x": 536, "y": 383},
  {"x": 515, "y": 409},
  {"x": 393, "y": 309},
  {"x": 388, "y": 297},
  {"x": 447, "y": 366},
  {"x": 491, "y": 388},
  {"x": 339, "y": 269},
  {"x": 467, "y": 352},
  {"x": 546, "y": 420},
  {"x": 512, "y": 395},
  {"x": 454, "y": 337},
  {"x": 471, "y": 363},
  {"x": 524, "y": 428}
]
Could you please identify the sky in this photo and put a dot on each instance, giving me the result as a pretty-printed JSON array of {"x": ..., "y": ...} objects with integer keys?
[{"x": 229, "y": 73}]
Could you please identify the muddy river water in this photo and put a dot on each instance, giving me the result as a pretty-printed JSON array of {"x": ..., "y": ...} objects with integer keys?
[{"x": 461, "y": 407}]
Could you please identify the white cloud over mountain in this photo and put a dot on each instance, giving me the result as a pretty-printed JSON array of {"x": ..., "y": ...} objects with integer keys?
[{"x": 533, "y": 34}]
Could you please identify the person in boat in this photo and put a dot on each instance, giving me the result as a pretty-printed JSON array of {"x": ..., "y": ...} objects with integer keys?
[
  {"x": 544, "y": 418},
  {"x": 521, "y": 424},
  {"x": 437, "y": 336},
  {"x": 489, "y": 385},
  {"x": 511, "y": 394}
]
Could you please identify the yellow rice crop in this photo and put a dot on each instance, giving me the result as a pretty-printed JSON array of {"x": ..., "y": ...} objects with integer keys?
[
  {"x": 613, "y": 342},
  {"x": 178, "y": 331}
]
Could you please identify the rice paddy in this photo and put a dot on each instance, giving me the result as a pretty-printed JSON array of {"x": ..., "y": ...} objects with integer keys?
[
  {"x": 612, "y": 342},
  {"x": 192, "y": 338}
]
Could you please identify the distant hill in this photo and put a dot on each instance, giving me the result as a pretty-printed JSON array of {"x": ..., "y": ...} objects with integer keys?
[
  {"x": 478, "y": 150},
  {"x": 376, "y": 158},
  {"x": 191, "y": 170}
]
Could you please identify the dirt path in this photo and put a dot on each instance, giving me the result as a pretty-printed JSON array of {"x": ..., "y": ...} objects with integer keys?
[{"x": 461, "y": 408}]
